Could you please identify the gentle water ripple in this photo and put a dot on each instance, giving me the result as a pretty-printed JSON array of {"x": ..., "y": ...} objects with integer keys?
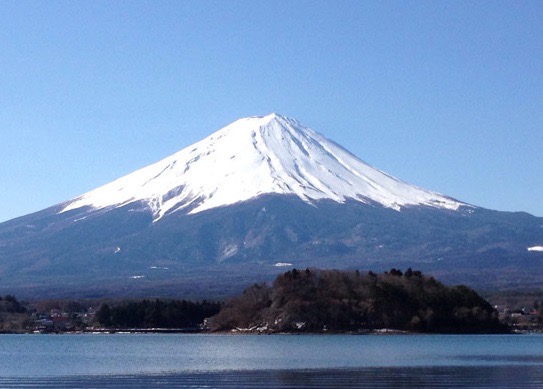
[
  {"x": 434, "y": 377},
  {"x": 322, "y": 361}
]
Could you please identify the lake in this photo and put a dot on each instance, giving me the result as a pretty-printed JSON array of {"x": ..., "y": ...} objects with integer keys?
[{"x": 274, "y": 361}]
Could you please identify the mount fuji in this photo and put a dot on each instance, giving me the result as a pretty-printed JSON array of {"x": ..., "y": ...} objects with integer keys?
[{"x": 259, "y": 195}]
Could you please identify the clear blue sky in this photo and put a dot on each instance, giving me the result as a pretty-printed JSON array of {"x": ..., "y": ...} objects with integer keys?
[{"x": 447, "y": 95}]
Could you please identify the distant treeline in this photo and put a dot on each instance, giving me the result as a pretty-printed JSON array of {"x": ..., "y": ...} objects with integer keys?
[
  {"x": 9, "y": 304},
  {"x": 156, "y": 314},
  {"x": 315, "y": 300},
  {"x": 13, "y": 315}
]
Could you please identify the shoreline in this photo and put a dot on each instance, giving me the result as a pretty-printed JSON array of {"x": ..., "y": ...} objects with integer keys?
[{"x": 375, "y": 332}]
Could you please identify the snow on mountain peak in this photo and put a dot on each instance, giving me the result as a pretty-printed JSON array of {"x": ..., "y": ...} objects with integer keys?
[{"x": 255, "y": 156}]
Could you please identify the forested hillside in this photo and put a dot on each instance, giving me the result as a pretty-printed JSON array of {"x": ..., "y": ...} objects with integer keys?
[{"x": 330, "y": 300}]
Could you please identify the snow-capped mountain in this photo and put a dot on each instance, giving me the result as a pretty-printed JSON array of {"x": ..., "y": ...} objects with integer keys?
[
  {"x": 255, "y": 156},
  {"x": 258, "y": 196}
]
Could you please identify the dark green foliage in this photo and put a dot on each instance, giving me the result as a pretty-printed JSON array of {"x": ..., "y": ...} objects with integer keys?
[
  {"x": 156, "y": 314},
  {"x": 314, "y": 300},
  {"x": 103, "y": 315},
  {"x": 9, "y": 304},
  {"x": 13, "y": 315}
]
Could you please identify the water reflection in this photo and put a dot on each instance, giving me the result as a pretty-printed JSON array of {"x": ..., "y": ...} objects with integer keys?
[
  {"x": 385, "y": 377},
  {"x": 503, "y": 359}
]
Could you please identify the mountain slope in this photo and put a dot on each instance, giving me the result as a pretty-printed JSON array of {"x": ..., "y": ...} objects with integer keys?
[
  {"x": 262, "y": 194},
  {"x": 255, "y": 156}
]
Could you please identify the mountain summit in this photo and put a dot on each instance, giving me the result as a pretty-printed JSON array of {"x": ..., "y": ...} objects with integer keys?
[{"x": 253, "y": 156}]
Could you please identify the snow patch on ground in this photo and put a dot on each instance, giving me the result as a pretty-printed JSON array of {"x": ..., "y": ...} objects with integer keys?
[
  {"x": 282, "y": 264},
  {"x": 228, "y": 250}
]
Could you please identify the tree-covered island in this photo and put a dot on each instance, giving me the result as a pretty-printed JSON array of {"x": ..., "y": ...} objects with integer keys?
[{"x": 317, "y": 301}]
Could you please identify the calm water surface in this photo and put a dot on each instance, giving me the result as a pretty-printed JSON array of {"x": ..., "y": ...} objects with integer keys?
[{"x": 319, "y": 361}]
